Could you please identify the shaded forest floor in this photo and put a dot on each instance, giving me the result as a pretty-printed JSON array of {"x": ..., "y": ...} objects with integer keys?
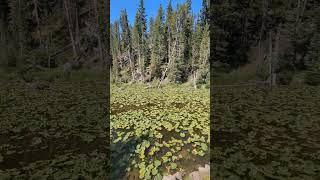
[
  {"x": 266, "y": 135},
  {"x": 54, "y": 131}
]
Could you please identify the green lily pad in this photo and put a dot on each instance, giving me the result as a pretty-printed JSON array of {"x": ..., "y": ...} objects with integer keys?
[
  {"x": 157, "y": 163},
  {"x": 204, "y": 146},
  {"x": 173, "y": 165}
]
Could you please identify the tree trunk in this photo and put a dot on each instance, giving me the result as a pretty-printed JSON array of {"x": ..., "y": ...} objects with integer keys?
[
  {"x": 131, "y": 64},
  {"x": 98, "y": 32},
  {"x": 276, "y": 54},
  {"x": 69, "y": 21},
  {"x": 35, "y": 11},
  {"x": 20, "y": 30},
  {"x": 270, "y": 59},
  {"x": 264, "y": 7},
  {"x": 195, "y": 80},
  {"x": 107, "y": 59},
  {"x": 77, "y": 29},
  {"x": 169, "y": 60}
]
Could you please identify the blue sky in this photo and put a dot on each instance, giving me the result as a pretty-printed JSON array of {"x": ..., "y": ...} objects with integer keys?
[{"x": 151, "y": 7}]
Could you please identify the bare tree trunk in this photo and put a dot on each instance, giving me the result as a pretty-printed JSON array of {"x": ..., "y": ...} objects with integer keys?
[
  {"x": 142, "y": 69},
  {"x": 49, "y": 47},
  {"x": 98, "y": 30},
  {"x": 270, "y": 58},
  {"x": 77, "y": 29},
  {"x": 107, "y": 60},
  {"x": 20, "y": 30},
  {"x": 264, "y": 6},
  {"x": 302, "y": 11},
  {"x": 131, "y": 64},
  {"x": 140, "y": 64},
  {"x": 66, "y": 6},
  {"x": 298, "y": 11},
  {"x": 276, "y": 54},
  {"x": 169, "y": 62},
  {"x": 195, "y": 80},
  {"x": 304, "y": 7},
  {"x": 35, "y": 11},
  {"x": 47, "y": 50},
  {"x": 164, "y": 74}
]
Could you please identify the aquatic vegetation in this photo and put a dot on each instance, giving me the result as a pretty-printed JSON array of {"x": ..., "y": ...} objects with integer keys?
[
  {"x": 169, "y": 127},
  {"x": 55, "y": 133},
  {"x": 266, "y": 134}
]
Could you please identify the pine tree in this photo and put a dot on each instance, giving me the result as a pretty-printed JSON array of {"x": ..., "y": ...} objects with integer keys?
[
  {"x": 187, "y": 17},
  {"x": 169, "y": 26},
  {"x": 196, "y": 40},
  {"x": 18, "y": 23},
  {"x": 204, "y": 13},
  {"x": 204, "y": 55},
  {"x": 177, "y": 64},
  {"x": 158, "y": 49},
  {"x": 140, "y": 38},
  {"x": 313, "y": 53},
  {"x": 115, "y": 50},
  {"x": 126, "y": 44}
]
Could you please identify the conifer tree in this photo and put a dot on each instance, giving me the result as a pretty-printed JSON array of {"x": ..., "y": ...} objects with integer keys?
[
  {"x": 115, "y": 50},
  {"x": 140, "y": 39},
  {"x": 187, "y": 19},
  {"x": 204, "y": 55},
  {"x": 158, "y": 50},
  {"x": 204, "y": 13},
  {"x": 126, "y": 44},
  {"x": 196, "y": 40},
  {"x": 177, "y": 66}
]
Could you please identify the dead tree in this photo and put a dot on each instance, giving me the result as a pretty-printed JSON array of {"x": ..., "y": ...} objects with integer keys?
[
  {"x": 73, "y": 31},
  {"x": 97, "y": 30},
  {"x": 36, "y": 14}
]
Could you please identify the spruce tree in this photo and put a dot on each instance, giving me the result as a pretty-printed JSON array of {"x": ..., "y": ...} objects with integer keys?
[
  {"x": 177, "y": 64},
  {"x": 158, "y": 50},
  {"x": 196, "y": 41},
  {"x": 204, "y": 13},
  {"x": 126, "y": 44},
  {"x": 115, "y": 50},
  {"x": 204, "y": 55},
  {"x": 187, "y": 19},
  {"x": 140, "y": 37}
]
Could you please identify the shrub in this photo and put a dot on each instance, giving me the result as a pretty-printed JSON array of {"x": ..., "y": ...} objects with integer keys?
[
  {"x": 285, "y": 77},
  {"x": 312, "y": 78}
]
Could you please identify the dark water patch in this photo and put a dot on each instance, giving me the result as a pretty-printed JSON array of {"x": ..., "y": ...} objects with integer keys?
[
  {"x": 169, "y": 135},
  {"x": 119, "y": 108},
  {"x": 25, "y": 151},
  {"x": 226, "y": 138},
  {"x": 120, "y": 157},
  {"x": 179, "y": 105}
]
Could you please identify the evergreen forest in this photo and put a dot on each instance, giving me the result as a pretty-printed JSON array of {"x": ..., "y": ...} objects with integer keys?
[
  {"x": 173, "y": 47},
  {"x": 43, "y": 39},
  {"x": 265, "y": 40}
]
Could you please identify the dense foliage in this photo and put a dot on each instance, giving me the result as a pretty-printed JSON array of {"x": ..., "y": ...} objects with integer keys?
[
  {"x": 284, "y": 32},
  {"x": 37, "y": 35}
]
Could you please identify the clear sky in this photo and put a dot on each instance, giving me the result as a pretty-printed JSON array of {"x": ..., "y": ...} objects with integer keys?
[{"x": 151, "y": 7}]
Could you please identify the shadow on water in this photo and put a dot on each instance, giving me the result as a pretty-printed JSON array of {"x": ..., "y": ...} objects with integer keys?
[
  {"x": 120, "y": 157},
  {"x": 17, "y": 153}
]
